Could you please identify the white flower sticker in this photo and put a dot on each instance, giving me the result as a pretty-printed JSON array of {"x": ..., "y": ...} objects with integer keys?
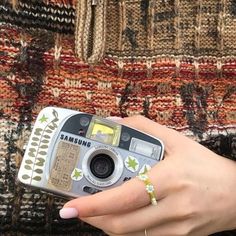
[{"x": 145, "y": 169}]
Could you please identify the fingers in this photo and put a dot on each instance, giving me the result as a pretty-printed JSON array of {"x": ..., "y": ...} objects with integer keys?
[
  {"x": 170, "y": 229},
  {"x": 167, "y": 218},
  {"x": 146, "y": 217},
  {"x": 175, "y": 228},
  {"x": 127, "y": 197}
]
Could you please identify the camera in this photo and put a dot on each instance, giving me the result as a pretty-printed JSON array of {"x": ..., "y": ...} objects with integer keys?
[{"x": 71, "y": 153}]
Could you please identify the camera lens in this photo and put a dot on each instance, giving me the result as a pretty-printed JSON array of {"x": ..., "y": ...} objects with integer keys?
[{"x": 102, "y": 166}]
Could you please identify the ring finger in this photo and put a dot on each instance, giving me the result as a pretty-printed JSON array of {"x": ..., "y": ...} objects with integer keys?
[
  {"x": 171, "y": 229},
  {"x": 146, "y": 217}
]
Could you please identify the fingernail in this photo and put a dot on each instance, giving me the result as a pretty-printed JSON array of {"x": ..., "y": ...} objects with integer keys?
[
  {"x": 113, "y": 118},
  {"x": 67, "y": 213}
]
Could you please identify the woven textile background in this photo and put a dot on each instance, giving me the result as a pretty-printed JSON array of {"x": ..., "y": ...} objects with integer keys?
[{"x": 173, "y": 61}]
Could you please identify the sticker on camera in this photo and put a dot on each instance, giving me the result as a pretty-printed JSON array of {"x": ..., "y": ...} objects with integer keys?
[
  {"x": 77, "y": 174},
  {"x": 65, "y": 159},
  {"x": 144, "y": 169},
  {"x": 131, "y": 163}
]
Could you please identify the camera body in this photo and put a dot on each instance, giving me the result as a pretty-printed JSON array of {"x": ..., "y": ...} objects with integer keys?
[{"x": 72, "y": 153}]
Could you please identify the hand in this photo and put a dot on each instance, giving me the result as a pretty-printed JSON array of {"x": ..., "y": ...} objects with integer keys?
[{"x": 195, "y": 189}]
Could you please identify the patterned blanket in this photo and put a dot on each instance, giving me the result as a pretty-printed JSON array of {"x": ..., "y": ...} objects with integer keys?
[{"x": 173, "y": 61}]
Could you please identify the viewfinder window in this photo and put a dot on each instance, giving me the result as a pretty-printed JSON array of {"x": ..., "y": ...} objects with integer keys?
[{"x": 103, "y": 132}]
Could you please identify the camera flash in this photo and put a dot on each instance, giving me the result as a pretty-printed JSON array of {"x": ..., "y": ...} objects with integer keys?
[{"x": 145, "y": 148}]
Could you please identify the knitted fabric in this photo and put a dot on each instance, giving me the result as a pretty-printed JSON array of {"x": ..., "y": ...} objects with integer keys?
[{"x": 173, "y": 61}]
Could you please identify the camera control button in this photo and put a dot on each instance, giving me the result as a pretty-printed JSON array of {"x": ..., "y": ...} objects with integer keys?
[{"x": 91, "y": 190}]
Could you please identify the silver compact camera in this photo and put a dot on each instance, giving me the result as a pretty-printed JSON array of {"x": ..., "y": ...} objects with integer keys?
[{"x": 72, "y": 153}]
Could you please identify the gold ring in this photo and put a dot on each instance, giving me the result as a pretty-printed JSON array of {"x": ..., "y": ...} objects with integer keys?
[
  {"x": 149, "y": 188},
  {"x": 145, "y": 232}
]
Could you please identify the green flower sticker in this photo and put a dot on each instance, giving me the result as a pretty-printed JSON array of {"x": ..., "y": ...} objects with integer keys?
[
  {"x": 131, "y": 163},
  {"x": 77, "y": 174}
]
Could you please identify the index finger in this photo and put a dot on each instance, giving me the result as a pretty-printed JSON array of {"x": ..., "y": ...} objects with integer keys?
[
  {"x": 167, "y": 135},
  {"x": 126, "y": 197}
]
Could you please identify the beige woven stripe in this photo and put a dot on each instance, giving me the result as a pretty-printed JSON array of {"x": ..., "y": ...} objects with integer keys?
[
  {"x": 83, "y": 19},
  {"x": 79, "y": 25},
  {"x": 177, "y": 24},
  {"x": 122, "y": 24},
  {"x": 198, "y": 26},
  {"x": 90, "y": 31},
  {"x": 87, "y": 31},
  {"x": 99, "y": 32},
  {"x": 151, "y": 24},
  {"x": 221, "y": 25}
]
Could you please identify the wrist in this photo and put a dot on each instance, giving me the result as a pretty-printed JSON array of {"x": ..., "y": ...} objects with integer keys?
[{"x": 229, "y": 200}]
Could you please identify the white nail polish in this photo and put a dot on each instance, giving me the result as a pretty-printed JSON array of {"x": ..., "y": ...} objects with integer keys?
[{"x": 67, "y": 213}]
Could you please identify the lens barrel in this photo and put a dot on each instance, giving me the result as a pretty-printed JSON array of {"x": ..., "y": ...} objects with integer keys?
[{"x": 102, "y": 166}]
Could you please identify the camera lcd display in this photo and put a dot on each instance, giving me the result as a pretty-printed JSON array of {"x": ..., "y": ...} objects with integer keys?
[{"x": 104, "y": 132}]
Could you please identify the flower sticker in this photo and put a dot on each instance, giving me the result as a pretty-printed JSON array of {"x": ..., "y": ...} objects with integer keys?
[
  {"x": 77, "y": 174},
  {"x": 131, "y": 163},
  {"x": 145, "y": 169}
]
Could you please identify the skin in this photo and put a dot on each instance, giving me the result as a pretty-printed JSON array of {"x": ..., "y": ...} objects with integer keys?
[{"x": 195, "y": 189}]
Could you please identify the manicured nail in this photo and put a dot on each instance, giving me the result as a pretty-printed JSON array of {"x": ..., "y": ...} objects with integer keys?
[
  {"x": 67, "y": 213},
  {"x": 114, "y": 118}
]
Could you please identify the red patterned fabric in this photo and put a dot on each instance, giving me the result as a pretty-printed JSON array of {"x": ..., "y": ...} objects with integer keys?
[{"x": 185, "y": 79}]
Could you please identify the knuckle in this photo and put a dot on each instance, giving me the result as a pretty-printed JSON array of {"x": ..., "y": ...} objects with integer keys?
[
  {"x": 130, "y": 199},
  {"x": 187, "y": 207},
  {"x": 184, "y": 229},
  {"x": 117, "y": 226},
  {"x": 187, "y": 212}
]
